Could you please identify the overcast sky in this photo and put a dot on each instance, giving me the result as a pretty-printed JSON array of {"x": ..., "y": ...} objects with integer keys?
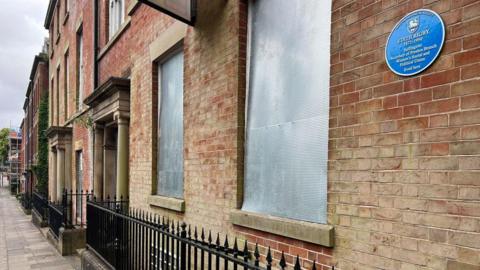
[{"x": 21, "y": 38}]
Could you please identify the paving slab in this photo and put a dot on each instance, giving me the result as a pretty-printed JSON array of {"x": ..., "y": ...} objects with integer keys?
[{"x": 22, "y": 245}]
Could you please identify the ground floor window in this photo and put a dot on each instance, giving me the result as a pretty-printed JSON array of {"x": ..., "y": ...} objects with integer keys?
[
  {"x": 288, "y": 107},
  {"x": 170, "y": 126}
]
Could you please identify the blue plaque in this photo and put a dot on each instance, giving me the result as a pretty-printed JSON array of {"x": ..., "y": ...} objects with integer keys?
[{"x": 415, "y": 42}]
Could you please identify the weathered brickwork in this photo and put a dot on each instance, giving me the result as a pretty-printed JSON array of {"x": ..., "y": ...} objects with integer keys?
[
  {"x": 37, "y": 90},
  {"x": 403, "y": 179},
  {"x": 404, "y": 153},
  {"x": 63, "y": 104}
]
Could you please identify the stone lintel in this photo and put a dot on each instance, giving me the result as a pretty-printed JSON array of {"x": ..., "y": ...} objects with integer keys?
[
  {"x": 57, "y": 130},
  {"x": 320, "y": 234}
]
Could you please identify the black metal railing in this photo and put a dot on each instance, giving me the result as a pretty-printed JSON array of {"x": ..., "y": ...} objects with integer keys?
[
  {"x": 40, "y": 204},
  {"x": 26, "y": 201},
  {"x": 69, "y": 212},
  {"x": 131, "y": 239},
  {"x": 55, "y": 217}
]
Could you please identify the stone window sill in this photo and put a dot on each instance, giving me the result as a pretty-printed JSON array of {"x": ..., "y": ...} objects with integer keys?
[
  {"x": 133, "y": 7},
  {"x": 174, "y": 204},
  {"x": 320, "y": 234},
  {"x": 114, "y": 39}
]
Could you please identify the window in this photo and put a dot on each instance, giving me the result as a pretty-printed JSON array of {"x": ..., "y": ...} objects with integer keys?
[
  {"x": 58, "y": 19},
  {"x": 116, "y": 16},
  {"x": 57, "y": 98},
  {"x": 288, "y": 106},
  {"x": 50, "y": 101},
  {"x": 78, "y": 180},
  {"x": 80, "y": 70},
  {"x": 170, "y": 127},
  {"x": 66, "y": 86}
]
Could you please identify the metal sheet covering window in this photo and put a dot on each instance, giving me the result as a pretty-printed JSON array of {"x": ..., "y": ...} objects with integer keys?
[
  {"x": 287, "y": 111},
  {"x": 170, "y": 127}
]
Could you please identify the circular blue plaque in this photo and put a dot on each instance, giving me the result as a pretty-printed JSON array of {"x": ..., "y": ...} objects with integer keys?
[{"x": 415, "y": 42}]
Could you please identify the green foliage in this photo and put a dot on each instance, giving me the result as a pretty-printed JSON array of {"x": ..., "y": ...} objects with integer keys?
[
  {"x": 4, "y": 133},
  {"x": 84, "y": 121},
  {"x": 41, "y": 169}
]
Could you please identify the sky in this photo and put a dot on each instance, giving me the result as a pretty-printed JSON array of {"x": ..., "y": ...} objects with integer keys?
[{"x": 21, "y": 38}]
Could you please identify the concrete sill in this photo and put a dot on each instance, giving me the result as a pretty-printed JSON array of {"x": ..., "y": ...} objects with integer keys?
[
  {"x": 114, "y": 39},
  {"x": 174, "y": 204},
  {"x": 320, "y": 234}
]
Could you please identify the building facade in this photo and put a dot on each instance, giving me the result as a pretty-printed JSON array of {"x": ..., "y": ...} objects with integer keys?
[
  {"x": 36, "y": 92},
  {"x": 277, "y": 123},
  {"x": 70, "y": 56}
]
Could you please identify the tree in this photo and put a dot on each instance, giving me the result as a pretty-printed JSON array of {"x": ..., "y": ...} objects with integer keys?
[
  {"x": 41, "y": 169},
  {"x": 4, "y": 133}
]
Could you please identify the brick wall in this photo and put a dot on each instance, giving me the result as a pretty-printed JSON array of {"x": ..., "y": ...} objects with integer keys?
[
  {"x": 404, "y": 152},
  {"x": 80, "y": 14}
]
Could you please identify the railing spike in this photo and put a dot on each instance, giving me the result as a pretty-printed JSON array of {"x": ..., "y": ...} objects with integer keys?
[
  {"x": 257, "y": 255},
  {"x": 246, "y": 253},
  {"x": 210, "y": 237},
  {"x": 269, "y": 259},
  {"x": 203, "y": 235},
  {"x": 314, "y": 267},
  {"x": 226, "y": 245},
  {"x": 282, "y": 262},
  {"x": 235, "y": 246},
  {"x": 189, "y": 232},
  {"x": 217, "y": 242},
  {"x": 297, "y": 264},
  {"x": 195, "y": 234}
]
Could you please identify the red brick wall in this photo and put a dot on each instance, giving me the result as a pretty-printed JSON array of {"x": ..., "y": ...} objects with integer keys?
[
  {"x": 80, "y": 13},
  {"x": 403, "y": 185},
  {"x": 403, "y": 152}
]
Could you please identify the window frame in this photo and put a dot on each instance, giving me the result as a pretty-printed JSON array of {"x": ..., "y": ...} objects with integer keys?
[
  {"x": 248, "y": 91},
  {"x": 169, "y": 54},
  {"x": 116, "y": 17},
  {"x": 66, "y": 84},
  {"x": 80, "y": 67}
]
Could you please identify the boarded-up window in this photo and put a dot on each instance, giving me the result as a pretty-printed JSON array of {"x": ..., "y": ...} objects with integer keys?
[
  {"x": 170, "y": 127},
  {"x": 287, "y": 111}
]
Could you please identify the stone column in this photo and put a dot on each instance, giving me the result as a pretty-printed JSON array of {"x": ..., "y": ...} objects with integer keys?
[
  {"x": 53, "y": 175},
  {"x": 98, "y": 162},
  {"x": 60, "y": 172},
  {"x": 68, "y": 166},
  {"x": 122, "y": 156}
]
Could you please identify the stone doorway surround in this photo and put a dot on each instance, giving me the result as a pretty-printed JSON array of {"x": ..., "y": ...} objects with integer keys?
[
  {"x": 110, "y": 109},
  {"x": 60, "y": 165}
]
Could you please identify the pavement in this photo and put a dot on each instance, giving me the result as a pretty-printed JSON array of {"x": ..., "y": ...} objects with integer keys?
[{"x": 22, "y": 245}]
